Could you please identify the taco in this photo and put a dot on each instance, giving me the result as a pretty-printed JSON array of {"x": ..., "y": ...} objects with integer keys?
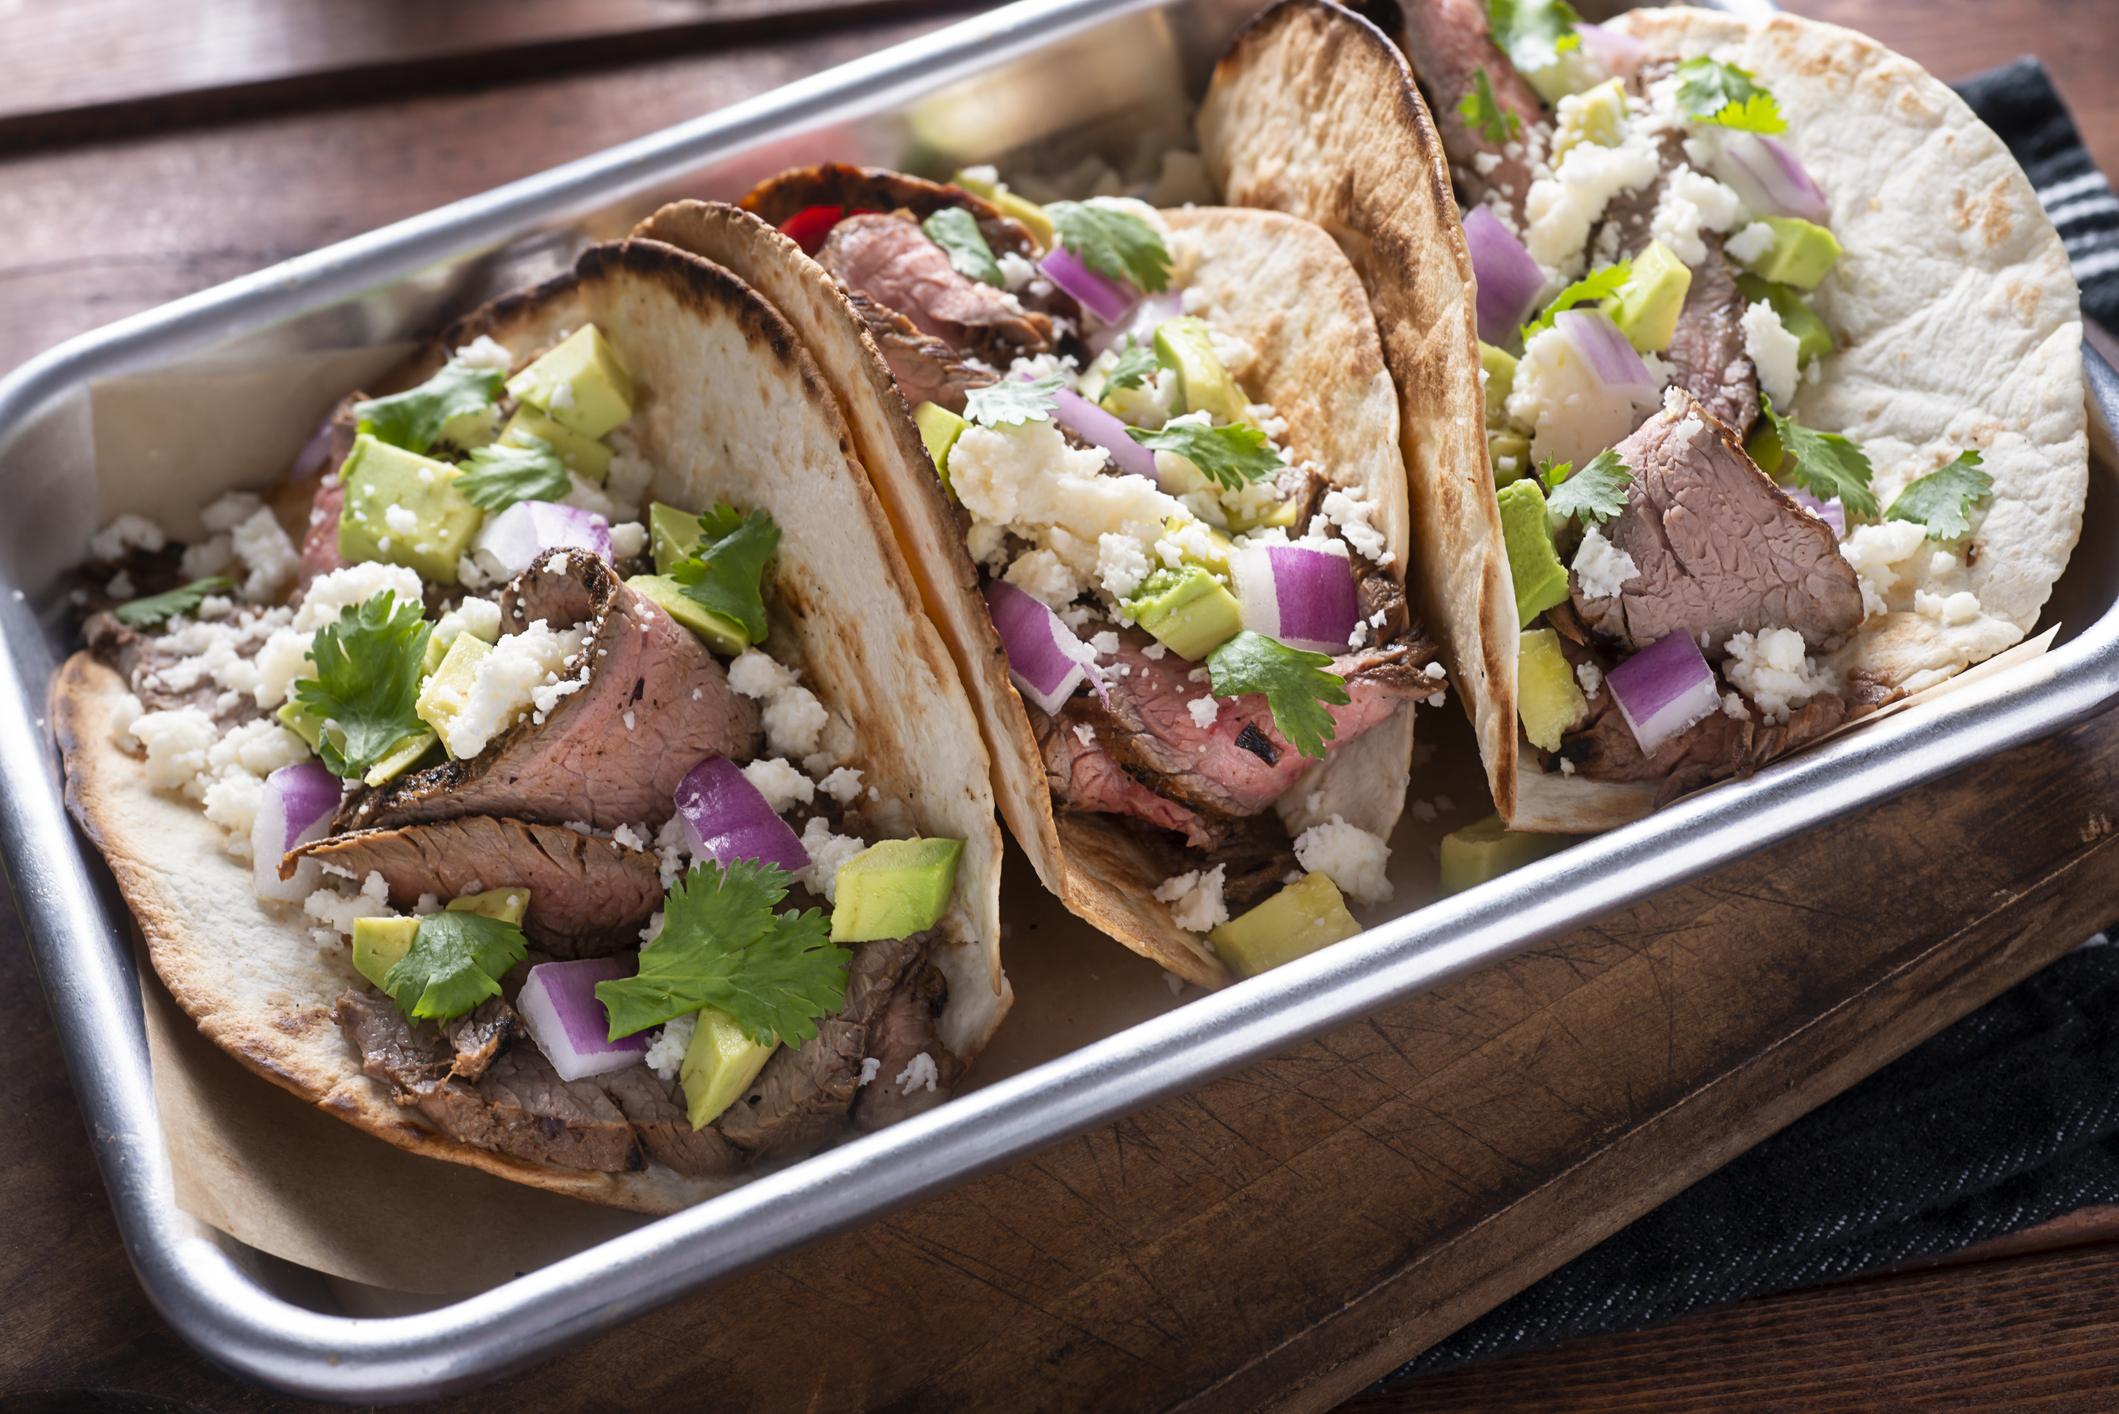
[
  {"x": 588, "y": 800},
  {"x": 1167, "y": 542},
  {"x": 1783, "y": 390}
]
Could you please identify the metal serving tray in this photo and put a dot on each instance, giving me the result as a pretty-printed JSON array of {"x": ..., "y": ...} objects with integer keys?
[{"x": 1008, "y": 79}]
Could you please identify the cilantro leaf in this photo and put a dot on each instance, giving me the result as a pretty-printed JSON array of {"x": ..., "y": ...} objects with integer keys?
[
  {"x": 454, "y": 963},
  {"x": 1942, "y": 500},
  {"x": 956, "y": 231},
  {"x": 413, "y": 419},
  {"x": 496, "y": 477},
  {"x": 1596, "y": 493},
  {"x": 1824, "y": 463},
  {"x": 157, "y": 608},
  {"x": 723, "y": 571},
  {"x": 1483, "y": 112},
  {"x": 1596, "y": 285},
  {"x": 367, "y": 680},
  {"x": 1012, "y": 402},
  {"x": 1136, "y": 367},
  {"x": 1112, "y": 241},
  {"x": 1714, "y": 92},
  {"x": 1296, "y": 686},
  {"x": 1533, "y": 33},
  {"x": 722, "y": 945},
  {"x": 1227, "y": 456}
]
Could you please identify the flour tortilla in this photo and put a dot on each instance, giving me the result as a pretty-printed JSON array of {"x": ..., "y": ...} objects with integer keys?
[
  {"x": 1276, "y": 282},
  {"x": 730, "y": 408}
]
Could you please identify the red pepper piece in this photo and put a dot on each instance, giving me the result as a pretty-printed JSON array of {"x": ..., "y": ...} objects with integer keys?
[{"x": 808, "y": 228}]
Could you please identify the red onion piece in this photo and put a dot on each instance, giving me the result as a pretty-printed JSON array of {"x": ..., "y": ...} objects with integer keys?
[
  {"x": 558, "y": 1004},
  {"x": 1831, "y": 512},
  {"x": 726, "y": 819},
  {"x": 1610, "y": 360},
  {"x": 1045, "y": 660},
  {"x": 296, "y": 808},
  {"x": 315, "y": 452},
  {"x": 1101, "y": 429},
  {"x": 528, "y": 529},
  {"x": 1107, "y": 299},
  {"x": 1767, "y": 178},
  {"x": 1299, "y": 594},
  {"x": 1619, "y": 55},
  {"x": 1152, "y": 311},
  {"x": 1508, "y": 279},
  {"x": 1663, "y": 689}
]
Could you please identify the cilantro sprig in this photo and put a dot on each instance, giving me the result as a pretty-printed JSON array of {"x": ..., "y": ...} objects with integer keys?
[
  {"x": 367, "y": 681},
  {"x": 956, "y": 231},
  {"x": 1824, "y": 463},
  {"x": 1483, "y": 112},
  {"x": 1942, "y": 500},
  {"x": 1112, "y": 241},
  {"x": 1230, "y": 457},
  {"x": 724, "y": 570},
  {"x": 1013, "y": 402},
  {"x": 455, "y": 962},
  {"x": 1136, "y": 367},
  {"x": 1533, "y": 33},
  {"x": 1296, "y": 686},
  {"x": 495, "y": 477},
  {"x": 722, "y": 945},
  {"x": 1714, "y": 92},
  {"x": 159, "y": 608},
  {"x": 414, "y": 418},
  {"x": 1596, "y": 285},
  {"x": 1596, "y": 493}
]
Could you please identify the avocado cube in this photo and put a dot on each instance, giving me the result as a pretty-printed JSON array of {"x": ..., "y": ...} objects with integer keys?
[
  {"x": 1533, "y": 563},
  {"x": 1184, "y": 344},
  {"x": 1546, "y": 695},
  {"x": 1763, "y": 446},
  {"x": 1500, "y": 368},
  {"x": 1280, "y": 513},
  {"x": 1210, "y": 550},
  {"x": 445, "y": 693},
  {"x": 1511, "y": 448},
  {"x": 302, "y": 722},
  {"x": 579, "y": 383},
  {"x": 1813, "y": 339},
  {"x": 939, "y": 429},
  {"x": 718, "y": 631},
  {"x": 381, "y": 479},
  {"x": 379, "y": 944},
  {"x": 894, "y": 889},
  {"x": 672, "y": 535},
  {"x": 1801, "y": 253},
  {"x": 719, "y": 1064},
  {"x": 1489, "y": 849},
  {"x": 1646, "y": 306},
  {"x": 1295, "y": 922},
  {"x": 585, "y": 455},
  {"x": 401, "y": 758},
  {"x": 467, "y": 430},
  {"x": 1599, "y": 119},
  {"x": 507, "y": 904},
  {"x": 1187, "y": 610}
]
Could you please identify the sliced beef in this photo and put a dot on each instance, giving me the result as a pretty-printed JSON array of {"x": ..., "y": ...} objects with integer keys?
[
  {"x": 657, "y": 1111},
  {"x": 589, "y": 896},
  {"x": 1603, "y": 748},
  {"x": 413, "y": 1061},
  {"x": 1627, "y": 226},
  {"x": 1718, "y": 548},
  {"x": 521, "y": 1107},
  {"x": 1706, "y": 352},
  {"x": 902, "y": 1032},
  {"x": 871, "y": 189},
  {"x": 479, "y": 1035},
  {"x": 1448, "y": 42},
  {"x": 319, "y": 540},
  {"x": 802, "y": 1096},
  {"x": 890, "y": 260},
  {"x": 926, "y": 369},
  {"x": 1082, "y": 776},
  {"x": 656, "y": 704}
]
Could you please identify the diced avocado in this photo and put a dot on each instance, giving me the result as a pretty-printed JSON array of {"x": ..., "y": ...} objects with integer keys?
[
  {"x": 1021, "y": 208},
  {"x": 1512, "y": 448},
  {"x": 1598, "y": 120},
  {"x": 1214, "y": 559},
  {"x": 1187, "y": 610},
  {"x": 508, "y": 904},
  {"x": 438, "y": 648},
  {"x": 1533, "y": 563},
  {"x": 939, "y": 429},
  {"x": 1295, "y": 922},
  {"x": 1184, "y": 344},
  {"x": 1801, "y": 253},
  {"x": 719, "y": 1063},
  {"x": 302, "y": 722},
  {"x": 672, "y": 534},
  {"x": 401, "y": 758},
  {"x": 445, "y": 692},
  {"x": 1813, "y": 339},
  {"x": 1546, "y": 695},
  {"x": 579, "y": 384},
  {"x": 1280, "y": 513},
  {"x": 1646, "y": 306},
  {"x": 718, "y": 631},
  {"x": 1500, "y": 366},
  {"x": 584, "y": 455},
  {"x": 1763, "y": 446},
  {"x": 378, "y": 478},
  {"x": 894, "y": 889},
  {"x": 1489, "y": 849},
  {"x": 380, "y": 943},
  {"x": 467, "y": 430}
]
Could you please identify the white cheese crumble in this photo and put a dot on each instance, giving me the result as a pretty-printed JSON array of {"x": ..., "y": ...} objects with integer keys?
[
  {"x": 1121, "y": 564},
  {"x": 1348, "y": 508},
  {"x": 1601, "y": 567},
  {"x": 478, "y": 617},
  {"x": 337, "y": 911},
  {"x": 1950, "y": 610},
  {"x": 1878, "y": 554},
  {"x": 1349, "y": 856},
  {"x": 794, "y": 719},
  {"x": 521, "y": 674},
  {"x": 1775, "y": 352},
  {"x": 1572, "y": 416},
  {"x": 1562, "y": 207},
  {"x": 1205, "y": 711},
  {"x": 129, "y": 531},
  {"x": 127, "y": 711},
  {"x": 485, "y": 352},
  {"x": 1590, "y": 676},
  {"x": 1016, "y": 272},
  {"x": 628, "y": 538},
  {"x": 920, "y": 1070},
  {"x": 842, "y": 784},
  {"x": 782, "y": 785},
  {"x": 827, "y": 852},
  {"x": 1691, "y": 202},
  {"x": 1195, "y": 900},
  {"x": 354, "y": 586},
  {"x": 1773, "y": 670},
  {"x": 400, "y": 520},
  {"x": 1750, "y": 243},
  {"x": 665, "y": 1054},
  {"x": 871, "y": 1067}
]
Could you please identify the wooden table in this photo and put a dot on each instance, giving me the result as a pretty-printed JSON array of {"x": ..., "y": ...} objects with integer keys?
[{"x": 145, "y": 154}]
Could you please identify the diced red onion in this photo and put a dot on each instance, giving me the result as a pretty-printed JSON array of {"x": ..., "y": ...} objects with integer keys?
[
  {"x": 573, "y": 1029},
  {"x": 1831, "y": 512},
  {"x": 1045, "y": 659},
  {"x": 1609, "y": 359},
  {"x": 1100, "y": 429},
  {"x": 295, "y": 809},
  {"x": 1663, "y": 689},
  {"x": 1767, "y": 178},
  {"x": 1508, "y": 279},
  {"x": 1618, "y": 54},
  {"x": 726, "y": 819},
  {"x": 1299, "y": 594},
  {"x": 1149, "y": 313},
  {"x": 519, "y": 535},
  {"x": 1109, "y": 300},
  {"x": 315, "y": 452}
]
